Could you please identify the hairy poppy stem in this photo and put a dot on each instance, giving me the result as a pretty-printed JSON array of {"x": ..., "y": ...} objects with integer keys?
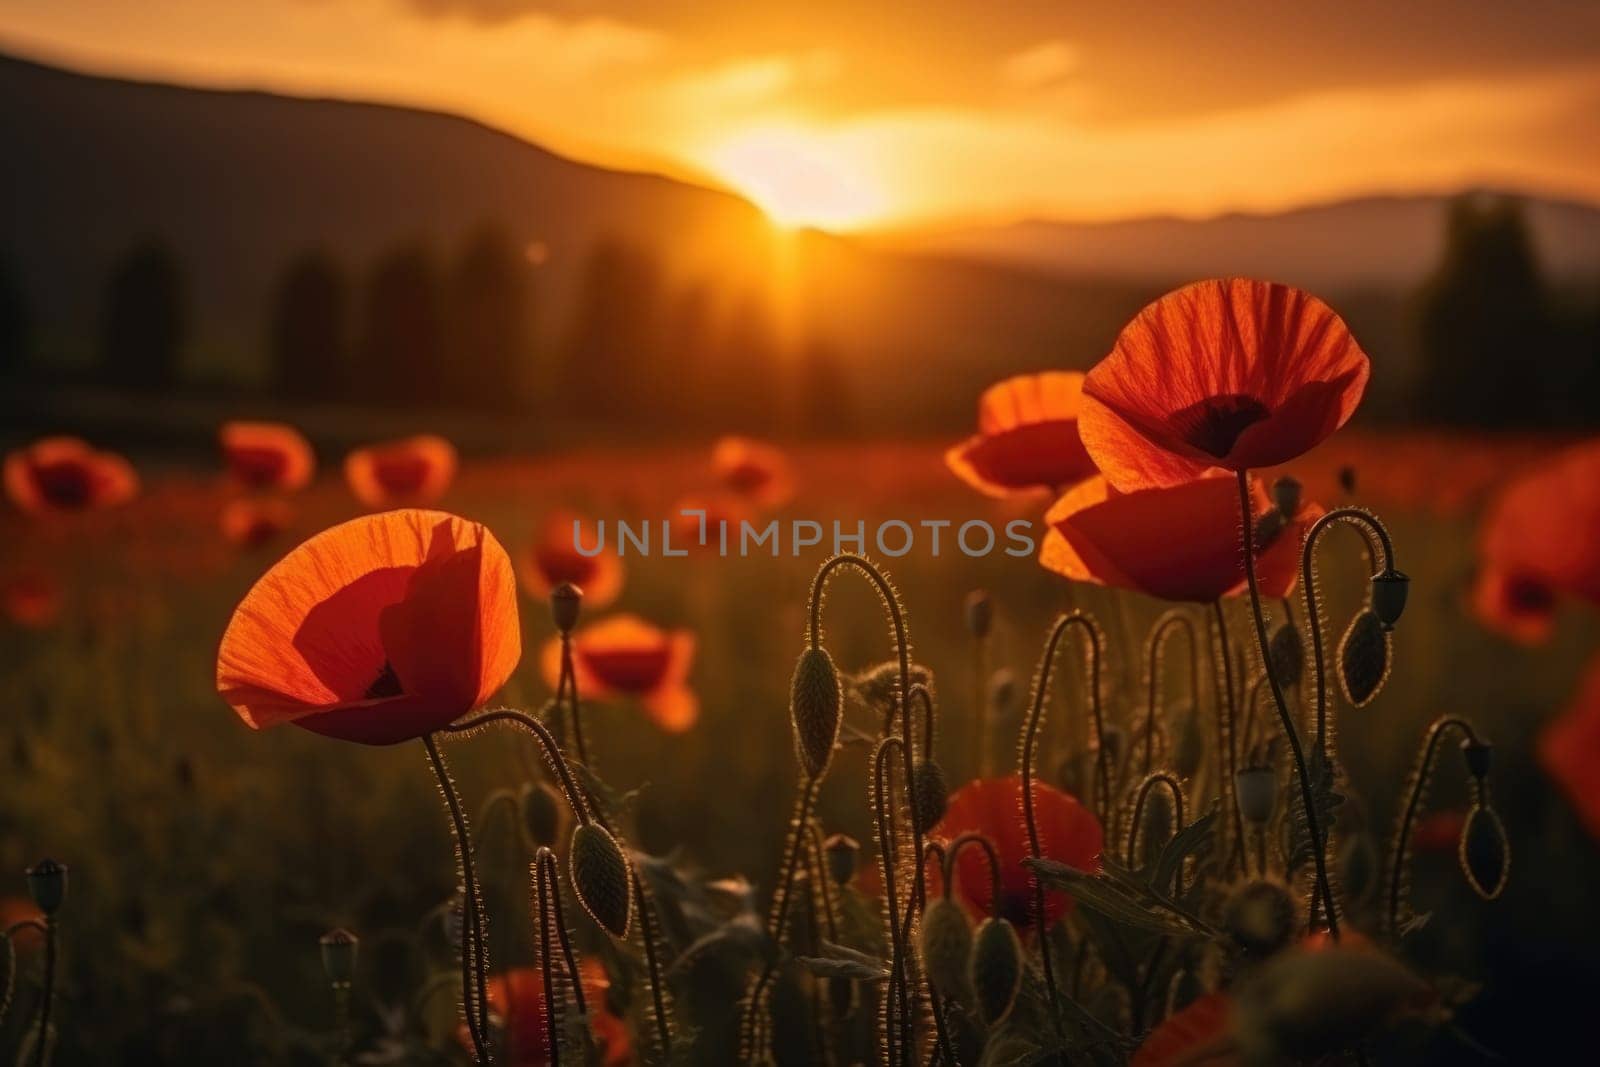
[
  {"x": 953, "y": 853},
  {"x": 1378, "y": 540},
  {"x": 1174, "y": 619},
  {"x": 474, "y": 967},
  {"x": 779, "y": 914},
  {"x": 1324, "y": 887},
  {"x": 41, "y": 1049},
  {"x": 1030, "y": 740},
  {"x": 552, "y": 751},
  {"x": 899, "y": 1046},
  {"x": 569, "y": 675},
  {"x": 552, "y": 1005},
  {"x": 1227, "y": 751},
  {"x": 1175, "y": 789},
  {"x": 1400, "y": 851}
]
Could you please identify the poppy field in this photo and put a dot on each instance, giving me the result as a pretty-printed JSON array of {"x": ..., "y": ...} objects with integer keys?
[{"x": 1279, "y": 743}]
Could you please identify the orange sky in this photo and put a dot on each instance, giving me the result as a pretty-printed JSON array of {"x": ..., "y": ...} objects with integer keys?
[{"x": 848, "y": 114}]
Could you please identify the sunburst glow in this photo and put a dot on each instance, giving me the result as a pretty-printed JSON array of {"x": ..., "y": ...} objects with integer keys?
[{"x": 798, "y": 178}]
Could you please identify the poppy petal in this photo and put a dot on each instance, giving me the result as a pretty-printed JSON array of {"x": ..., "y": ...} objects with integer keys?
[{"x": 1027, "y": 436}]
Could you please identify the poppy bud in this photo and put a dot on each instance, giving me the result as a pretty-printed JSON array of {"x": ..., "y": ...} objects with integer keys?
[
  {"x": 816, "y": 707},
  {"x": 1389, "y": 591},
  {"x": 541, "y": 814},
  {"x": 47, "y": 884},
  {"x": 339, "y": 950},
  {"x": 1478, "y": 755},
  {"x": 1286, "y": 496},
  {"x": 565, "y": 600},
  {"x": 1305, "y": 1005},
  {"x": 1484, "y": 852},
  {"x": 600, "y": 878},
  {"x": 980, "y": 613},
  {"x": 843, "y": 852},
  {"x": 929, "y": 795},
  {"x": 1287, "y": 653},
  {"x": 1363, "y": 659},
  {"x": 996, "y": 973},
  {"x": 1261, "y": 918},
  {"x": 1269, "y": 525},
  {"x": 1256, "y": 790},
  {"x": 946, "y": 945}
]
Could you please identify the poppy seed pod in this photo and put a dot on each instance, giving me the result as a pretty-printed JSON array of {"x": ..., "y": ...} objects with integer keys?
[
  {"x": 1256, "y": 789},
  {"x": 47, "y": 884},
  {"x": 980, "y": 613},
  {"x": 1484, "y": 852},
  {"x": 339, "y": 950},
  {"x": 600, "y": 878},
  {"x": 996, "y": 972},
  {"x": 1389, "y": 591},
  {"x": 929, "y": 795},
  {"x": 1363, "y": 658},
  {"x": 946, "y": 945},
  {"x": 1288, "y": 654},
  {"x": 1478, "y": 755},
  {"x": 842, "y": 851},
  {"x": 541, "y": 814},
  {"x": 1260, "y": 917},
  {"x": 1305, "y": 1005},
  {"x": 565, "y": 601},
  {"x": 816, "y": 707},
  {"x": 1286, "y": 495}
]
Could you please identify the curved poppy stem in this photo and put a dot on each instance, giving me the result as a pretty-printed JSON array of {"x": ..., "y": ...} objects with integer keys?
[
  {"x": 652, "y": 960},
  {"x": 1175, "y": 789},
  {"x": 1313, "y": 827},
  {"x": 1177, "y": 618},
  {"x": 552, "y": 1003},
  {"x": 929, "y": 719},
  {"x": 1400, "y": 851},
  {"x": 545, "y": 863},
  {"x": 953, "y": 853},
  {"x": 474, "y": 966},
  {"x": 1378, "y": 542},
  {"x": 1030, "y": 739},
  {"x": 569, "y": 675},
  {"x": 547, "y": 742}
]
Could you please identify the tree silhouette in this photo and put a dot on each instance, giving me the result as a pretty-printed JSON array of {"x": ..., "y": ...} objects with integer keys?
[
  {"x": 400, "y": 352},
  {"x": 1485, "y": 321},
  {"x": 142, "y": 323},
  {"x": 488, "y": 321},
  {"x": 746, "y": 395},
  {"x": 615, "y": 335},
  {"x": 826, "y": 404},
  {"x": 688, "y": 335},
  {"x": 16, "y": 329},
  {"x": 308, "y": 329}
]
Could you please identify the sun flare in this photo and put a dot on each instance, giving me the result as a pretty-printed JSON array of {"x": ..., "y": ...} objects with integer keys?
[{"x": 798, "y": 178}]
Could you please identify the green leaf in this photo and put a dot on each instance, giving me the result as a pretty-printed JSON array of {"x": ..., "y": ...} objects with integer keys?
[
  {"x": 1197, "y": 839},
  {"x": 1108, "y": 896}
]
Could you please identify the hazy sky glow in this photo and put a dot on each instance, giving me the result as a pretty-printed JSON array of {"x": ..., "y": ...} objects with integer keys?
[{"x": 851, "y": 114}]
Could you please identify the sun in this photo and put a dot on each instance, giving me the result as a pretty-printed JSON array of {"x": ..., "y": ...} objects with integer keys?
[{"x": 798, "y": 178}]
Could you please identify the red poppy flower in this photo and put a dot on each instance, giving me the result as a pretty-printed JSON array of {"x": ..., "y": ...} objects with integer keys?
[
  {"x": 554, "y": 558},
  {"x": 63, "y": 474},
  {"x": 378, "y": 630},
  {"x": 267, "y": 455},
  {"x": 1224, "y": 373},
  {"x": 1541, "y": 541},
  {"x": 251, "y": 523},
  {"x": 516, "y": 998},
  {"x": 32, "y": 599},
  {"x": 1177, "y": 543},
  {"x": 410, "y": 472},
  {"x": 1068, "y": 832},
  {"x": 14, "y": 910},
  {"x": 758, "y": 472},
  {"x": 624, "y": 656},
  {"x": 1198, "y": 1034},
  {"x": 1027, "y": 437},
  {"x": 1569, "y": 750},
  {"x": 723, "y": 514}
]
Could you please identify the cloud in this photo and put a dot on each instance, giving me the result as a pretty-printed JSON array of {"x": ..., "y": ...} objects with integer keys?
[
  {"x": 489, "y": 12},
  {"x": 1043, "y": 65}
]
